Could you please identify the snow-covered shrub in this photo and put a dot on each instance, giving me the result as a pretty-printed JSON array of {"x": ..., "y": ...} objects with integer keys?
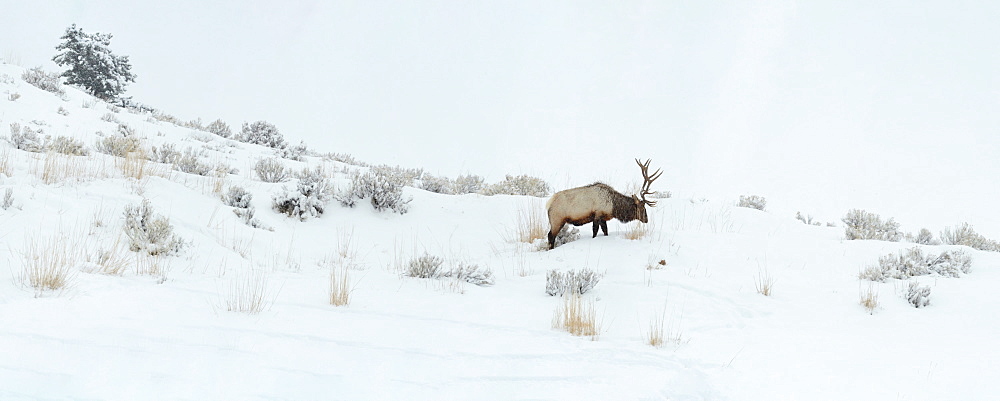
[
  {"x": 399, "y": 175},
  {"x": 752, "y": 202},
  {"x": 111, "y": 118},
  {"x": 918, "y": 295},
  {"x": 66, "y": 146},
  {"x": 567, "y": 234},
  {"x": 167, "y": 118},
  {"x": 62, "y": 111},
  {"x": 240, "y": 199},
  {"x": 950, "y": 263},
  {"x": 293, "y": 152},
  {"x": 271, "y": 170},
  {"x": 247, "y": 216},
  {"x": 45, "y": 81},
  {"x": 438, "y": 185},
  {"x": 571, "y": 282},
  {"x": 220, "y": 128},
  {"x": 924, "y": 237},
  {"x": 344, "y": 158},
  {"x": 380, "y": 190},
  {"x": 8, "y": 199},
  {"x": 913, "y": 262},
  {"x": 806, "y": 219},
  {"x": 201, "y": 136},
  {"x": 309, "y": 199},
  {"x": 519, "y": 185},
  {"x": 471, "y": 273},
  {"x": 964, "y": 234},
  {"x": 861, "y": 225},
  {"x": 125, "y": 130},
  {"x": 166, "y": 154},
  {"x": 150, "y": 233},
  {"x": 467, "y": 184},
  {"x": 25, "y": 138},
  {"x": 661, "y": 195},
  {"x": 118, "y": 146},
  {"x": 426, "y": 266},
  {"x": 237, "y": 197},
  {"x": 190, "y": 162},
  {"x": 261, "y": 133},
  {"x": 195, "y": 124}
]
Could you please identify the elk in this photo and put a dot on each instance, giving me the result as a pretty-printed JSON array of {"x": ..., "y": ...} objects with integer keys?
[{"x": 597, "y": 203}]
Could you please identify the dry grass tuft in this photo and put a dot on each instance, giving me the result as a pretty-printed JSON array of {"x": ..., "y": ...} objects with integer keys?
[
  {"x": 48, "y": 263},
  {"x": 577, "y": 316},
  {"x": 636, "y": 230},
  {"x": 58, "y": 167},
  {"x": 763, "y": 282},
  {"x": 340, "y": 286},
  {"x": 248, "y": 292},
  {"x": 151, "y": 265},
  {"x": 654, "y": 336},
  {"x": 112, "y": 261},
  {"x": 530, "y": 223},
  {"x": 133, "y": 165},
  {"x": 869, "y": 298}
]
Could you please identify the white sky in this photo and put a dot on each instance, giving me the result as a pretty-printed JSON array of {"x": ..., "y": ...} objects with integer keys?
[{"x": 821, "y": 106}]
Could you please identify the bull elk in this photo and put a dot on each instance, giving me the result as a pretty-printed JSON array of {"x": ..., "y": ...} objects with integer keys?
[{"x": 597, "y": 203}]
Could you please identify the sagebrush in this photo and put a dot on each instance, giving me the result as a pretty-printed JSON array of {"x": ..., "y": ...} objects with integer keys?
[
  {"x": 381, "y": 190},
  {"x": 49, "y": 82},
  {"x": 914, "y": 262},
  {"x": 752, "y": 202},
  {"x": 918, "y": 295},
  {"x": 571, "y": 282},
  {"x": 863, "y": 225},
  {"x": 148, "y": 232},
  {"x": 519, "y": 185},
  {"x": 272, "y": 170},
  {"x": 308, "y": 199},
  {"x": 964, "y": 234},
  {"x": 261, "y": 133}
]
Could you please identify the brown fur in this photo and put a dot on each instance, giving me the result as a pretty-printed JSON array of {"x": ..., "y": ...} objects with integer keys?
[{"x": 595, "y": 203}]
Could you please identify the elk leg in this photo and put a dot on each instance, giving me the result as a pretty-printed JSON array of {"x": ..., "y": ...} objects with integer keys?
[
  {"x": 553, "y": 232},
  {"x": 597, "y": 225},
  {"x": 604, "y": 227}
]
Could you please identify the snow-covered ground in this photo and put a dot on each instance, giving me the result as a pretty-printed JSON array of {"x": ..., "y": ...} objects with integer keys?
[{"x": 169, "y": 335}]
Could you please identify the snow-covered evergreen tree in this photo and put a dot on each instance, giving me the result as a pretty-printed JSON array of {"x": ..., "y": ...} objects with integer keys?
[{"x": 92, "y": 65}]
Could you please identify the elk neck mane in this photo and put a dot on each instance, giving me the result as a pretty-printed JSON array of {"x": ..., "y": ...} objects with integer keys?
[{"x": 622, "y": 206}]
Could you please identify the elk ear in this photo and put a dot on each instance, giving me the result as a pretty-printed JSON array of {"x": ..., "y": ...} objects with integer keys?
[{"x": 636, "y": 199}]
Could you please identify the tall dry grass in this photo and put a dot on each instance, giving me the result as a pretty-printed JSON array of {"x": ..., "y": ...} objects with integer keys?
[
  {"x": 48, "y": 262},
  {"x": 577, "y": 316},
  {"x": 58, "y": 168},
  {"x": 636, "y": 230},
  {"x": 869, "y": 298},
  {"x": 248, "y": 292},
  {"x": 340, "y": 286},
  {"x": 530, "y": 223}
]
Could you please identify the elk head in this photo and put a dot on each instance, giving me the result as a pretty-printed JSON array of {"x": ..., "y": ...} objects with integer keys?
[{"x": 641, "y": 201}]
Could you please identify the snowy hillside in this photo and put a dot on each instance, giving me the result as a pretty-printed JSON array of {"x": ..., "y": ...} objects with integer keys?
[{"x": 129, "y": 325}]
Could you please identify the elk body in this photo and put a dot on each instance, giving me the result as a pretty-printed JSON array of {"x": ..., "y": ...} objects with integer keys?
[{"x": 597, "y": 203}]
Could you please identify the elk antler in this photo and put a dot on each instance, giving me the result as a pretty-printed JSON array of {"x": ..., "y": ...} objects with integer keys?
[{"x": 647, "y": 181}]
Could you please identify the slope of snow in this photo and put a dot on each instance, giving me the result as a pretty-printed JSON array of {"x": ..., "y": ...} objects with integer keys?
[{"x": 169, "y": 336}]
